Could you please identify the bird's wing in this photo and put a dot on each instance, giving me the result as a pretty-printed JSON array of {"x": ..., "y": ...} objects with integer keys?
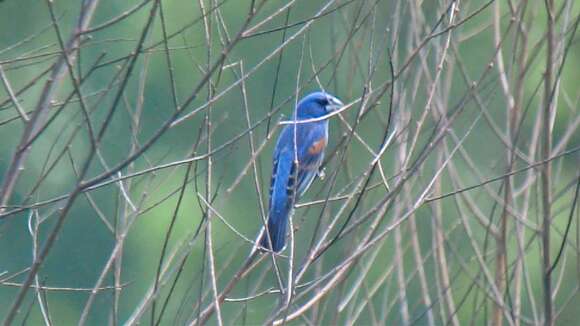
[
  {"x": 311, "y": 158},
  {"x": 273, "y": 176},
  {"x": 281, "y": 199},
  {"x": 281, "y": 173},
  {"x": 288, "y": 178}
]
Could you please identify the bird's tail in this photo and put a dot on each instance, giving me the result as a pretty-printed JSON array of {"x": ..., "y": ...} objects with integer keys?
[{"x": 276, "y": 232}]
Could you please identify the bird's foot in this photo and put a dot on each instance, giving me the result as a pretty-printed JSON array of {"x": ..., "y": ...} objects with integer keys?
[{"x": 321, "y": 173}]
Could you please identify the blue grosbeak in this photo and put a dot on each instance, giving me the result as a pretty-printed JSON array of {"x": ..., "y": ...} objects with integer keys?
[{"x": 297, "y": 157}]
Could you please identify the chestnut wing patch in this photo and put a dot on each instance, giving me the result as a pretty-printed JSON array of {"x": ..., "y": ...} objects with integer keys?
[{"x": 317, "y": 147}]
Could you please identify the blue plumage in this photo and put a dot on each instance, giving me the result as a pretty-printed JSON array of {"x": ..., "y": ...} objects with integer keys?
[{"x": 297, "y": 157}]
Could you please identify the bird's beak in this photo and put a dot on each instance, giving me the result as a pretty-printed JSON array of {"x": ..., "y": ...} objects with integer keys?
[{"x": 333, "y": 104}]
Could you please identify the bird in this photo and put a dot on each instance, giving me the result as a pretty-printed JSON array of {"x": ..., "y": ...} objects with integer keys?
[{"x": 296, "y": 160}]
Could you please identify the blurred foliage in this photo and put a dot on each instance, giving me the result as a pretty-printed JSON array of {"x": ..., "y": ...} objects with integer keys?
[{"x": 84, "y": 244}]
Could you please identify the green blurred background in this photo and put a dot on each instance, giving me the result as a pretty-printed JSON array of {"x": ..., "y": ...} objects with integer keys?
[{"x": 85, "y": 243}]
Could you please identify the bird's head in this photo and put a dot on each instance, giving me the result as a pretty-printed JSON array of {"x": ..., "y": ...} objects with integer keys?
[{"x": 316, "y": 105}]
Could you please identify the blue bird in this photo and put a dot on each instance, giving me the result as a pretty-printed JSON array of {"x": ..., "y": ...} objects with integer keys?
[{"x": 297, "y": 158}]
